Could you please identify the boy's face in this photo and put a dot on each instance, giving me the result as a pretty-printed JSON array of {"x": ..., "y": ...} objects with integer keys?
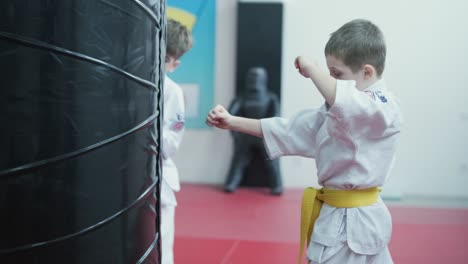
[
  {"x": 340, "y": 71},
  {"x": 171, "y": 63}
]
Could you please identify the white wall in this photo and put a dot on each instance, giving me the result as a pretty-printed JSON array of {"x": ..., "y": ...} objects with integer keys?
[
  {"x": 205, "y": 154},
  {"x": 427, "y": 67}
]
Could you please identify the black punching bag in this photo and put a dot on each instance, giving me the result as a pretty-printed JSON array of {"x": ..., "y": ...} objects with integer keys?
[
  {"x": 80, "y": 84},
  {"x": 260, "y": 22}
]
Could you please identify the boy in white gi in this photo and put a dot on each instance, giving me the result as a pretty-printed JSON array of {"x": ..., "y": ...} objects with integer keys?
[
  {"x": 352, "y": 138},
  {"x": 179, "y": 41}
]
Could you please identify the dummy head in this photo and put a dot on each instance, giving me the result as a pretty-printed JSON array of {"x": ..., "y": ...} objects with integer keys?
[{"x": 256, "y": 81}]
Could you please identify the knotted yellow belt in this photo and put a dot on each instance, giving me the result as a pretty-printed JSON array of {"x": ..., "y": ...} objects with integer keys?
[{"x": 313, "y": 199}]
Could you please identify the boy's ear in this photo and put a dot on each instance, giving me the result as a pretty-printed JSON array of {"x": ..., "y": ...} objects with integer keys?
[
  {"x": 176, "y": 64},
  {"x": 369, "y": 71}
]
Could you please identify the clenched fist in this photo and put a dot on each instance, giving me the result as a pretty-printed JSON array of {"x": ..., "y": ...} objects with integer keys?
[
  {"x": 304, "y": 66},
  {"x": 219, "y": 117}
]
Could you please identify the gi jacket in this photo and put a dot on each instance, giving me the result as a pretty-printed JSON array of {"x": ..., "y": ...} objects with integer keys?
[
  {"x": 353, "y": 143},
  {"x": 173, "y": 130}
]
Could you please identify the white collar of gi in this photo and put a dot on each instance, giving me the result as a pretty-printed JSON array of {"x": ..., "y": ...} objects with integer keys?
[{"x": 377, "y": 86}]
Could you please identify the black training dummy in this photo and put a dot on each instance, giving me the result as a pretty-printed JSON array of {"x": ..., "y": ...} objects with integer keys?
[{"x": 250, "y": 156}]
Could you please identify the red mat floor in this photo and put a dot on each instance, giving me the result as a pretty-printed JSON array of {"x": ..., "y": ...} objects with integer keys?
[{"x": 251, "y": 226}]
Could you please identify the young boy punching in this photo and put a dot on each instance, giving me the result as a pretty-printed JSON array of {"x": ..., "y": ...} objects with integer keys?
[{"x": 352, "y": 137}]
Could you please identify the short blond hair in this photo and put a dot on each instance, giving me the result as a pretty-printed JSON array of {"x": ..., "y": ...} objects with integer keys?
[
  {"x": 357, "y": 43},
  {"x": 179, "y": 39}
]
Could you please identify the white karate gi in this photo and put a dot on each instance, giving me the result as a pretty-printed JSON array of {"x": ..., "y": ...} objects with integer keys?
[
  {"x": 173, "y": 130},
  {"x": 353, "y": 143}
]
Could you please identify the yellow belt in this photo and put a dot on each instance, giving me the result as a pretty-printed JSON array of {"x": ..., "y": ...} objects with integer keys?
[{"x": 313, "y": 199}]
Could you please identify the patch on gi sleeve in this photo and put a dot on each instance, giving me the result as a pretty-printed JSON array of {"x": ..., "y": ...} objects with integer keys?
[
  {"x": 179, "y": 123},
  {"x": 381, "y": 96}
]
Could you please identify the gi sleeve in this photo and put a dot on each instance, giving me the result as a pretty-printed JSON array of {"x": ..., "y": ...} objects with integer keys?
[
  {"x": 174, "y": 122},
  {"x": 361, "y": 112},
  {"x": 297, "y": 136}
]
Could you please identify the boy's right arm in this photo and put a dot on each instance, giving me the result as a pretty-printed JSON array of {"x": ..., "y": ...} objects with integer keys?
[
  {"x": 281, "y": 136},
  {"x": 219, "y": 117}
]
